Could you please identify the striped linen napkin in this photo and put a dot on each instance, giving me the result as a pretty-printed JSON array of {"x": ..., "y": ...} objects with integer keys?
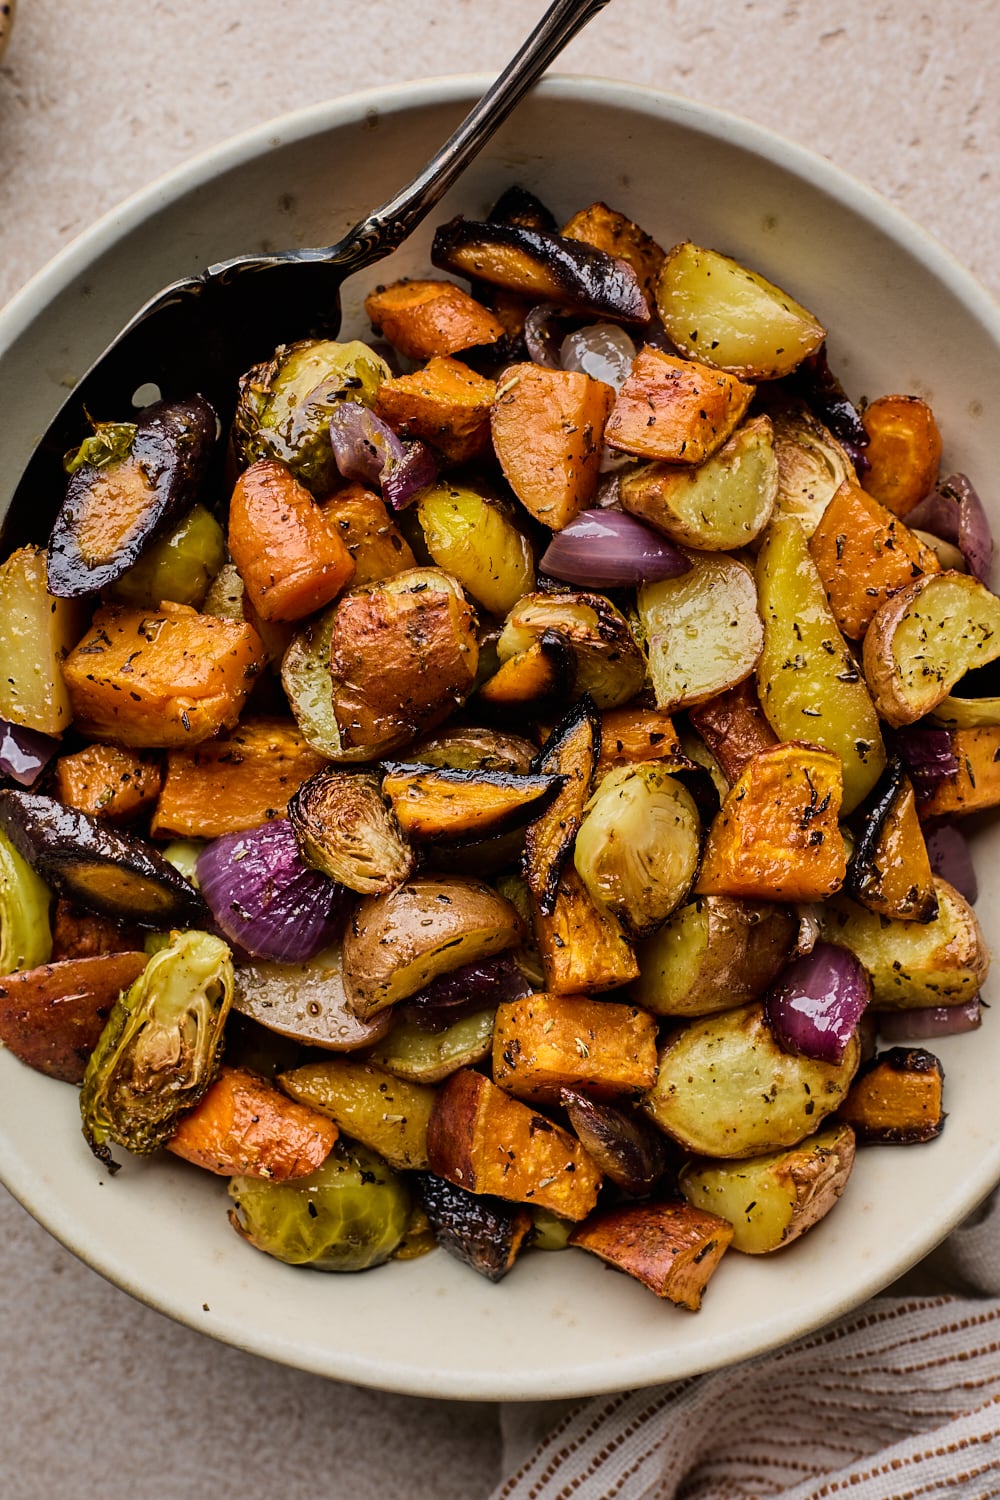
[{"x": 898, "y": 1401}]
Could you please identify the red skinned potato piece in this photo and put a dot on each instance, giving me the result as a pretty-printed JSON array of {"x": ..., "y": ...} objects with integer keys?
[{"x": 52, "y": 1017}]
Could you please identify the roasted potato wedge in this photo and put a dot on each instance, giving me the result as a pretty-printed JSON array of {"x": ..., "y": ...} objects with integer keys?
[
  {"x": 37, "y": 632},
  {"x": 306, "y": 1003},
  {"x": 924, "y": 640},
  {"x": 609, "y": 664},
  {"x": 726, "y": 1088},
  {"x": 426, "y": 1054},
  {"x": 396, "y": 943},
  {"x": 372, "y": 1106},
  {"x": 771, "y": 1200},
  {"x": 675, "y": 409},
  {"x": 714, "y": 953},
  {"x": 717, "y": 310},
  {"x": 943, "y": 962},
  {"x": 809, "y": 685},
  {"x": 52, "y": 1017},
  {"x": 702, "y": 629},
  {"x": 718, "y": 506}
]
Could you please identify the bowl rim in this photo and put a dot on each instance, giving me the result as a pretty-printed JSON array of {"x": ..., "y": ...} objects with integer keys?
[{"x": 197, "y": 171}]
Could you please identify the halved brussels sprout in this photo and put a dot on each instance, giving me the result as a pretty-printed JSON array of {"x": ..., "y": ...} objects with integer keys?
[
  {"x": 812, "y": 466},
  {"x": 180, "y": 566},
  {"x": 25, "y": 935},
  {"x": 285, "y": 405},
  {"x": 472, "y": 538},
  {"x": 428, "y": 1054},
  {"x": 637, "y": 849},
  {"x": 609, "y": 664},
  {"x": 345, "y": 829},
  {"x": 348, "y": 1216},
  {"x": 161, "y": 1047}
]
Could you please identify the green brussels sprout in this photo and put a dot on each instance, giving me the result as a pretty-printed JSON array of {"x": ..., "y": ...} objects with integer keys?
[
  {"x": 348, "y": 1216},
  {"x": 25, "y": 935},
  {"x": 286, "y": 402},
  {"x": 638, "y": 846},
  {"x": 161, "y": 1047},
  {"x": 109, "y": 443},
  {"x": 179, "y": 566}
]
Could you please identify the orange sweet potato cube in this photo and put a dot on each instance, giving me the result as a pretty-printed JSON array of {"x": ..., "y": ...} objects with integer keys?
[
  {"x": 676, "y": 410},
  {"x": 425, "y": 318},
  {"x": 237, "y": 782},
  {"x": 673, "y": 1248},
  {"x": 776, "y": 836},
  {"x": 445, "y": 404},
  {"x": 545, "y": 1043},
  {"x": 548, "y": 427},
  {"x": 632, "y": 735},
  {"x": 864, "y": 554},
  {"x": 107, "y": 781},
  {"x": 581, "y": 947},
  {"x": 161, "y": 677},
  {"x": 608, "y": 230},
  {"x": 486, "y": 1142}
]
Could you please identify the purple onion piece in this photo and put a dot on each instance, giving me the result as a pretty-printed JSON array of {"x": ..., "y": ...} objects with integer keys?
[
  {"x": 481, "y": 985},
  {"x": 936, "y": 513},
  {"x": 544, "y": 327},
  {"x": 951, "y": 858},
  {"x": 929, "y": 758},
  {"x": 975, "y": 535},
  {"x": 404, "y": 478},
  {"x": 265, "y": 899},
  {"x": 815, "y": 1005},
  {"x": 24, "y": 753},
  {"x": 823, "y": 393},
  {"x": 362, "y": 442},
  {"x": 609, "y": 549},
  {"x": 929, "y": 1021}
]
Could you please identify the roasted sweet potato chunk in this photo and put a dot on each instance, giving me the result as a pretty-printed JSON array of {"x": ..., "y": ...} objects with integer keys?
[
  {"x": 161, "y": 677},
  {"x": 427, "y": 318},
  {"x": 52, "y": 1017},
  {"x": 776, "y": 837},
  {"x": 617, "y": 235},
  {"x": 547, "y": 429},
  {"x": 445, "y": 404},
  {"x": 373, "y": 539},
  {"x": 485, "y": 1141},
  {"x": 904, "y": 451},
  {"x": 291, "y": 559},
  {"x": 897, "y": 1099},
  {"x": 675, "y": 409},
  {"x": 976, "y": 785},
  {"x": 546, "y": 1043},
  {"x": 582, "y": 948},
  {"x": 238, "y": 782},
  {"x": 670, "y": 1247},
  {"x": 243, "y": 1127},
  {"x": 864, "y": 555},
  {"x": 890, "y": 870},
  {"x": 108, "y": 781},
  {"x": 632, "y": 735}
]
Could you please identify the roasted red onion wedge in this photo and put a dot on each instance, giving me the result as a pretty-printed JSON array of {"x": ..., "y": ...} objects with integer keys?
[
  {"x": 815, "y": 1005},
  {"x": 24, "y": 753},
  {"x": 626, "y": 1147},
  {"x": 954, "y": 512},
  {"x": 544, "y": 331},
  {"x": 367, "y": 450},
  {"x": 951, "y": 858},
  {"x": 481, "y": 986},
  {"x": 608, "y": 549},
  {"x": 266, "y": 899},
  {"x": 929, "y": 1021},
  {"x": 928, "y": 756}
]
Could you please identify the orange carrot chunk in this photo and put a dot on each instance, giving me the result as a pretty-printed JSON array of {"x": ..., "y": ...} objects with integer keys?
[
  {"x": 289, "y": 555},
  {"x": 904, "y": 451},
  {"x": 244, "y": 1127}
]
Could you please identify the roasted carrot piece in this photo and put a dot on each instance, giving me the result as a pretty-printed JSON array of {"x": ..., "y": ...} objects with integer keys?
[
  {"x": 291, "y": 559},
  {"x": 776, "y": 837},
  {"x": 234, "y": 783},
  {"x": 897, "y": 1099},
  {"x": 244, "y": 1127},
  {"x": 864, "y": 554},
  {"x": 734, "y": 728},
  {"x": 977, "y": 783},
  {"x": 366, "y": 529},
  {"x": 673, "y": 1248},
  {"x": 546, "y": 1043},
  {"x": 445, "y": 404},
  {"x": 548, "y": 428},
  {"x": 161, "y": 677},
  {"x": 676, "y": 410},
  {"x": 108, "y": 781},
  {"x": 904, "y": 451},
  {"x": 541, "y": 675},
  {"x": 425, "y": 318},
  {"x": 52, "y": 1017}
]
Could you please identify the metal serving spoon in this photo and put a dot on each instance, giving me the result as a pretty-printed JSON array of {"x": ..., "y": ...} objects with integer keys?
[{"x": 201, "y": 333}]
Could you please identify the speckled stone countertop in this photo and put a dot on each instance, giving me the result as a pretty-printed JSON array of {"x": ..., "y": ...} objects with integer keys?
[{"x": 98, "y": 1395}]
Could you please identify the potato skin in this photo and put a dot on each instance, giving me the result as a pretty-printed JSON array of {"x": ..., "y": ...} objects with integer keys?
[
  {"x": 397, "y": 943},
  {"x": 725, "y": 1087},
  {"x": 771, "y": 1200},
  {"x": 714, "y": 953},
  {"x": 52, "y": 1017}
]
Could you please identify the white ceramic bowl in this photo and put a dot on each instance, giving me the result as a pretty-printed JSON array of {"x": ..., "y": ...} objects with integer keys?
[{"x": 903, "y": 317}]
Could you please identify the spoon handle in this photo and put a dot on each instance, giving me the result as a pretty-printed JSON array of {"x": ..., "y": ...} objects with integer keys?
[{"x": 388, "y": 226}]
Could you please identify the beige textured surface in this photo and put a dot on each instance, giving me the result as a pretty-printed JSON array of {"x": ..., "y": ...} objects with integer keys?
[{"x": 99, "y": 1396}]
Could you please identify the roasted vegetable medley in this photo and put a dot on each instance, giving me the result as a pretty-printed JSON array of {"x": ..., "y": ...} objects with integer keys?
[{"x": 501, "y": 790}]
